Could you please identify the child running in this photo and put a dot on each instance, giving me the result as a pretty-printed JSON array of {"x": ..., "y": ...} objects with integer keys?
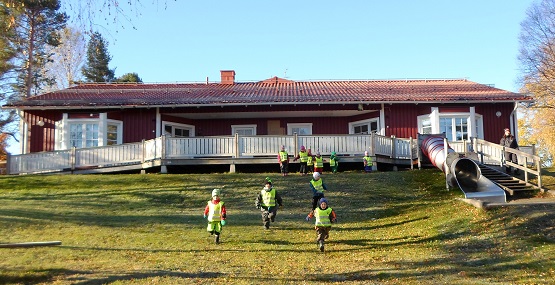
[
  {"x": 216, "y": 215},
  {"x": 267, "y": 201},
  {"x": 325, "y": 216}
]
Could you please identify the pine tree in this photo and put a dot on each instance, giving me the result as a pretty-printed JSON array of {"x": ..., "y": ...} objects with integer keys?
[
  {"x": 96, "y": 66},
  {"x": 35, "y": 24}
]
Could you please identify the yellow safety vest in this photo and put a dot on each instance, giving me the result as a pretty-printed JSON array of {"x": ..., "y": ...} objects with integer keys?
[
  {"x": 322, "y": 217},
  {"x": 309, "y": 161},
  {"x": 304, "y": 156},
  {"x": 319, "y": 163},
  {"x": 333, "y": 162},
  {"x": 215, "y": 211},
  {"x": 368, "y": 160},
  {"x": 268, "y": 197},
  {"x": 283, "y": 155},
  {"x": 318, "y": 185}
]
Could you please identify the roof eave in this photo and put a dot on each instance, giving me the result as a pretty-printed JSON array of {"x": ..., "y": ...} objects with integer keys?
[{"x": 389, "y": 102}]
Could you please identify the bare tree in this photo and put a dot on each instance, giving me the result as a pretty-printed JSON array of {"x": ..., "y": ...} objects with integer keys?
[
  {"x": 67, "y": 59},
  {"x": 537, "y": 59}
]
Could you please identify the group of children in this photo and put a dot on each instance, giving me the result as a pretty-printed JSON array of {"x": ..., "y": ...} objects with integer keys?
[
  {"x": 307, "y": 161},
  {"x": 268, "y": 201},
  {"x": 315, "y": 163}
]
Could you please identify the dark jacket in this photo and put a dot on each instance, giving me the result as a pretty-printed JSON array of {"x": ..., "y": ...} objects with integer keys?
[{"x": 509, "y": 141}]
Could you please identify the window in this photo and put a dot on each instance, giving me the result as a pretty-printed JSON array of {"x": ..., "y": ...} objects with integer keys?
[
  {"x": 243, "y": 130},
  {"x": 363, "y": 127},
  {"x": 113, "y": 133},
  {"x": 426, "y": 126},
  {"x": 80, "y": 132},
  {"x": 178, "y": 130},
  {"x": 455, "y": 126},
  {"x": 300, "y": 129},
  {"x": 83, "y": 135}
]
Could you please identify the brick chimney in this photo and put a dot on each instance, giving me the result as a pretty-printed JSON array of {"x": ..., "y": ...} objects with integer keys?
[{"x": 228, "y": 76}]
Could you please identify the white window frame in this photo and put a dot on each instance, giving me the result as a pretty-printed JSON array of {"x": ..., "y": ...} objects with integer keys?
[
  {"x": 292, "y": 126},
  {"x": 119, "y": 135},
  {"x": 367, "y": 122},
  {"x": 191, "y": 128},
  {"x": 237, "y": 128},
  {"x": 435, "y": 117},
  {"x": 62, "y": 131}
]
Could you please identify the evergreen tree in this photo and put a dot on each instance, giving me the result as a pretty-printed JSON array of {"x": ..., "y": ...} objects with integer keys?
[
  {"x": 96, "y": 66},
  {"x": 35, "y": 25},
  {"x": 129, "y": 77}
]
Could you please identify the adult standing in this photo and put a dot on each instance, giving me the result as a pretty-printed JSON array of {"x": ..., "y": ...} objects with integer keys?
[{"x": 509, "y": 141}]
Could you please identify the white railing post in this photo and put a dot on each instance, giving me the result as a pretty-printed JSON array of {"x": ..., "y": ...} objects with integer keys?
[
  {"x": 72, "y": 158},
  {"x": 372, "y": 144},
  {"x": 411, "y": 146},
  {"x": 236, "y": 150},
  {"x": 296, "y": 145},
  {"x": 393, "y": 147}
]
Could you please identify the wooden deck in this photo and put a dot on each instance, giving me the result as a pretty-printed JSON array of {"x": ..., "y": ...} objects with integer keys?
[{"x": 251, "y": 150}]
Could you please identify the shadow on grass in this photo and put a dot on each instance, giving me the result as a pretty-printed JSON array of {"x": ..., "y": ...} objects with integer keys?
[{"x": 144, "y": 275}]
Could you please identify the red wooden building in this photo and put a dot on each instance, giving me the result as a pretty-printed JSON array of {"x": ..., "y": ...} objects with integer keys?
[{"x": 103, "y": 114}]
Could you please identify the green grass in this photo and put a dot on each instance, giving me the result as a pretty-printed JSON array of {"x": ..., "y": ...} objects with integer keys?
[{"x": 394, "y": 228}]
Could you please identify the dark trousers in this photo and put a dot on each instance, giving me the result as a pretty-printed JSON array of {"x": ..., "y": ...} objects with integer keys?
[
  {"x": 315, "y": 200},
  {"x": 509, "y": 156},
  {"x": 303, "y": 169},
  {"x": 268, "y": 214}
]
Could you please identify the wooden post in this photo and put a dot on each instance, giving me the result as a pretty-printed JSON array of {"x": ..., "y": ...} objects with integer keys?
[
  {"x": 372, "y": 144},
  {"x": 411, "y": 146},
  {"x": 30, "y": 244},
  {"x": 143, "y": 151},
  {"x": 163, "y": 167},
  {"x": 236, "y": 150},
  {"x": 72, "y": 159},
  {"x": 393, "y": 147}
]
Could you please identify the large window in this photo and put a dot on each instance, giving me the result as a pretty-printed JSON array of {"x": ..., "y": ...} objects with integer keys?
[
  {"x": 83, "y": 135},
  {"x": 178, "y": 130},
  {"x": 299, "y": 129},
  {"x": 243, "y": 130},
  {"x": 455, "y": 126},
  {"x": 363, "y": 127},
  {"x": 74, "y": 130}
]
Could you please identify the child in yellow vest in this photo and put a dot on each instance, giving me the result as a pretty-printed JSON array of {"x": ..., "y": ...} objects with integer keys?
[
  {"x": 268, "y": 201},
  {"x": 216, "y": 214},
  {"x": 334, "y": 162},
  {"x": 367, "y": 162},
  {"x": 325, "y": 216}
]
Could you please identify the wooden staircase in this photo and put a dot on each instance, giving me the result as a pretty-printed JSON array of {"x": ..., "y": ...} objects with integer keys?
[{"x": 513, "y": 186}]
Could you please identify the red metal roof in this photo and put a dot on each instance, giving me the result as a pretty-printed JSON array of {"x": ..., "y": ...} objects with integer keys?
[{"x": 271, "y": 91}]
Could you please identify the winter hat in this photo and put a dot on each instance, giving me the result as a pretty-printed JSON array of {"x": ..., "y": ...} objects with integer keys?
[
  {"x": 215, "y": 192},
  {"x": 316, "y": 175},
  {"x": 366, "y": 153},
  {"x": 333, "y": 153},
  {"x": 302, "y": 148},
  {"x": 282, "y": 147},
  {"x": 322, "y": 200}
]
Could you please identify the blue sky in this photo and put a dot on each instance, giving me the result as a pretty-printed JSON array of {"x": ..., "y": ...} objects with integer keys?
[
  {"x": 184, "y": 41},
  {"x": 188, "y": 41}
]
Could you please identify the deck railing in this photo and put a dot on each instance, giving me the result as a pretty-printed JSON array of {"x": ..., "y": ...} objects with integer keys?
[{"x": 165, "y": 148}]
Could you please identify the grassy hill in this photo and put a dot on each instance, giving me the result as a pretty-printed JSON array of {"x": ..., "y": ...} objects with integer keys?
[{"x": 393, "y": 228}]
